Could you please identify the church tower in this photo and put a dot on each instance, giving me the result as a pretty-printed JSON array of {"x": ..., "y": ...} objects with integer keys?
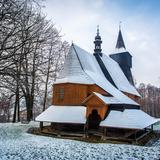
[{"x": 123, "y": 57}]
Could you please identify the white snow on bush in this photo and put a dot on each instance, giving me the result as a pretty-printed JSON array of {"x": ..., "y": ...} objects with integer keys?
[
  {"x": 16, "y": 144},
  {"x": 129, "y": 118},
  {"x": 64, "y": 114}
]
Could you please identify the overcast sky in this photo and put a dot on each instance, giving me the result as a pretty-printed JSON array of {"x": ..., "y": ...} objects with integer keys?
[{"x": 78, "y": 19}]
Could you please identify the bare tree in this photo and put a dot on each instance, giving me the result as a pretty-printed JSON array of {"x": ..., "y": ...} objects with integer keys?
[
  {"x": 29, "y": 45},
  {"x": 150, "y": 100}
]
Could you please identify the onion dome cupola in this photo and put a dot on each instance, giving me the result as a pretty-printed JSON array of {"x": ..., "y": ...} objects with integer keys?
[{"x": 98, "y": 43}]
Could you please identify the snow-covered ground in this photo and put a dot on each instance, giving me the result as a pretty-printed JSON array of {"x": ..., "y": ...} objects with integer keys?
[{"x": 16, "y": 144}]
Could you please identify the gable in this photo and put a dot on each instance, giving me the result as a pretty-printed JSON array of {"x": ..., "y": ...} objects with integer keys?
[
  {"x": 93, "y": 100},
  {"x": 105, "y": 100}
]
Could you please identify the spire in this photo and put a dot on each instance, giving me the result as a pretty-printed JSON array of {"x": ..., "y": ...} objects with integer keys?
[
  {"x": 97, "y": 43},
  {"x": 120, "y": 42}
]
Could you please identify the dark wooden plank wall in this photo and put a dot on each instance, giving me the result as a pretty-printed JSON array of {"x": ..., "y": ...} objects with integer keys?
[{"x": 74, "y": 94}]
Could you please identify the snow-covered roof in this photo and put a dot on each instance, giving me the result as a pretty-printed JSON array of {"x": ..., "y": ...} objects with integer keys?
[
  {"x": 63, "y": 114},
  {"x": 129, "y": 118},
  {"x": 118, "y": 76},
  {"x": 82, "y": 67},
  {"x": 73, "y": 70},
  {"x": 108, "y": 100},
  {"x": 93, "y": 70}
]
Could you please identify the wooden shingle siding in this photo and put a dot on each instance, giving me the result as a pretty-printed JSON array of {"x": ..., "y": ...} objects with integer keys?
[
  {"x": 95, "y": 88},
  {"x": 74, "y": 94}
]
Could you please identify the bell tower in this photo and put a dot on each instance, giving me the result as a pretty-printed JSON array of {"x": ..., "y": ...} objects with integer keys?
[{"x": 123, "y": 57}]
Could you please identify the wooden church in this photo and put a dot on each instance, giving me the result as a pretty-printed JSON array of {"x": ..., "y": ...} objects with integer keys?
[{"x": 97, "y": 92}]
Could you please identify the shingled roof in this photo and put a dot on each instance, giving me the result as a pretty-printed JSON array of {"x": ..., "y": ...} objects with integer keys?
[
  {"x": 120, "y": 42},
  {"x": 73, "y": 71},
  {"x": 82, "y": 67}
]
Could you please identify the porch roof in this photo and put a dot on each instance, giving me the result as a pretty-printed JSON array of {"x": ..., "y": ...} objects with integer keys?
[
  {"x": 63, "y": 114},
  {"x": 129, "y": 118}
]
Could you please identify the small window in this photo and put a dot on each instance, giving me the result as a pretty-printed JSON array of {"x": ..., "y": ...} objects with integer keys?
[{"x": 61, "y": 93}]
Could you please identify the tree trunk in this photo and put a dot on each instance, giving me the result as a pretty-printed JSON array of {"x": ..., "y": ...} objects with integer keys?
[
  {"x": 29, "y": 108},
  {"x": 14, "y": 114},
  {"x": 18, "y": 111},
  {"x": 46, "y": 83},
  {"x": 15, "y": 105}
]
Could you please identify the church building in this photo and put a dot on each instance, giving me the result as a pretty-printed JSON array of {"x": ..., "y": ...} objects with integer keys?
[{"x": 97, "y": 91}]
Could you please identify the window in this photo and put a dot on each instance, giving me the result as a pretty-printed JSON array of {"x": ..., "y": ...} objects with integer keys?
[{"x": 61, "y": 93}]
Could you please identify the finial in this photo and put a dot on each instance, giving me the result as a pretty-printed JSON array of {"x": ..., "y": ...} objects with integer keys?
[
  {"x": 98, "y": 30},
  {"x": 120, "y": 25}
]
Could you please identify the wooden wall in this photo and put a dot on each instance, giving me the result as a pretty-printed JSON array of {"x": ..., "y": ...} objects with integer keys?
[
  {"x": 95, "y": 103},
  {"x": 95, "y": 88},
  {"x": 74, "y": 94}
]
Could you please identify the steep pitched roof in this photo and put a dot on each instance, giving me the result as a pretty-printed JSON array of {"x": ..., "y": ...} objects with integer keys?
[
  {"x": 120, "y": 42},
  {"x": 92, "y": 69},
  {"x": 118, "y": 76},
  {"x": 73, "y": 70},
  {"x": 82, "y": 67}
]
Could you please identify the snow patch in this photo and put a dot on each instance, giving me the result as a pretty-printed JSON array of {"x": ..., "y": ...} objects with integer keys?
[{"x": 19, "y": 145}]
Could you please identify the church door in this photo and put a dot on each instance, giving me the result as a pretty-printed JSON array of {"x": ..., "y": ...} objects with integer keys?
[{"x": 94, "y": 120}]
